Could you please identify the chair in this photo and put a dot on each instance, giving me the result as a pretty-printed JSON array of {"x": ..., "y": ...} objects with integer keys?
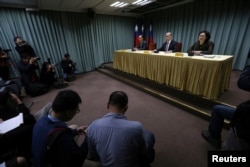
[
  {"x": 179, "y": 46},
  {"x": 152, "y": 46}
]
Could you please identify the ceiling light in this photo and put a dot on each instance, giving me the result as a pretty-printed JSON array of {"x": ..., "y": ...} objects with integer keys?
[
  {"x": 115, "y": 3},
  {"x": 119, "y": 4},
  {"x": 141, "y": 2},
  {"x": 125, "y": 4}
]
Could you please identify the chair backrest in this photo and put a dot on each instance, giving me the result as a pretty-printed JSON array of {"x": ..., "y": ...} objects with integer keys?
[
  {"x": 152, "y": 46},
  {"x": 179, "y": 46}
]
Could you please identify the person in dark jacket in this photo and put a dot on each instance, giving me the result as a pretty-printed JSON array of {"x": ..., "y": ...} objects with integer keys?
[
  {"x": 68, "y": 67},
  {"x": 221, "y": 112},
  {"x": 64, "y": 151},
  {"x": 47, "y": 74},
  {"x": 23, "y": 47},
  {"x": 142, "y": 45},
  {"x": 4, "y": 65},
  {"x": 203, "y": 45},
  {"x": 29, "y": 72},
  {"x": 15, "y": 144},
  {"x": 27, "y": 68},
  {"x": 169, "y": 45}
]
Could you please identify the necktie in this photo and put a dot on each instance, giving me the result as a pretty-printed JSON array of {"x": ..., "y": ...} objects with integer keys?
[{"x": 167, "y": 46}]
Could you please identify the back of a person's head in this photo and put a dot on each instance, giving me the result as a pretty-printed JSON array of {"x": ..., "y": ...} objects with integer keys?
[
  {"x": 118, "y": 99},
  {"x": 66, "y": 100}
]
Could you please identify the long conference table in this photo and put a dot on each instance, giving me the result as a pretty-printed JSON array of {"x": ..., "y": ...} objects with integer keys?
[{"x": 199, "y": 75}]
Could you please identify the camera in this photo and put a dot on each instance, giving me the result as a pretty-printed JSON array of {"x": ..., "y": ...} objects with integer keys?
[{"x": 38, "y": 58}]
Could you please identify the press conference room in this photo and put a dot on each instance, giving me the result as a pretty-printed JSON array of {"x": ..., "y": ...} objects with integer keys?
[{"x": 172, "y": 94}]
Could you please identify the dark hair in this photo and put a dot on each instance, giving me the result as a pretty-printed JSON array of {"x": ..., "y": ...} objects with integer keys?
[
  {"x": 15, "y": 38},
  {"x": 24, "y": 56},
  {"x": 66, "y": 100},
  {"x": 44, "y": 65},
  {"x": 118, "y": 99},
  {"x": 67, "y": 55},
  {"x": 207, "y": 35}
]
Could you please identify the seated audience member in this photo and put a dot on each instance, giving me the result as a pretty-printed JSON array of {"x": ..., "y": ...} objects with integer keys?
[
  {"x": 47, "y": 77},
  {"x": 116, "y": 141},
  {"x": 4, "y": 65},
  {"x": 53, "y": 141},
  {"x": 143, "y": 45},
  {"x": 68, "y": 67},
  {"x": 22, "y": 47},
  {"x": 15, "y": 144},
  {"x": 169, "y": 45},
  {"x": 203, "y": 45},
  {"x": 47, "y": 74},
  {"x": 31, "y": 81},
  {"x": 221, "y": 112},
  {"x": 239, "y": 133}
]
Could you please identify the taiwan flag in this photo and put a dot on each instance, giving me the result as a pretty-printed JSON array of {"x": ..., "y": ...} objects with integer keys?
[
  {"x": 136, "y": 41},
  {"x": 150, "y": 34}
]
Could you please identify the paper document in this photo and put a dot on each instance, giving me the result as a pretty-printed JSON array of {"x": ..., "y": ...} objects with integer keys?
[{"x": 11, "y": 123}]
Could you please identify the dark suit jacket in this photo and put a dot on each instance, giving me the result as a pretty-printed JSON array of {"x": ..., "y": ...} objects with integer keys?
[
  {"x": 206, "y": 48},
  {"x": 25, "y": 49},
  {"x": 142, "y": 46},
  {"x": 172, "y": 46}
]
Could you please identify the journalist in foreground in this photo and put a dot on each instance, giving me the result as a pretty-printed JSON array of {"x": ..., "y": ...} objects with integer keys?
[
  {"x": 15, "y": 144},
  {"x": 53, "y": 141}
]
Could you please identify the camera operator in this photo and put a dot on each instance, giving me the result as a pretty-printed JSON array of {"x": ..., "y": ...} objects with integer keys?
[
  {"x": 47, "y": 76},
  {"x": 16, "y": 144},
  {"x": 4, "y": 64},
  {"x": 68, "y": 67},
  {"x": 22, "y": 47},
  {"x": 27, "y": 67}
]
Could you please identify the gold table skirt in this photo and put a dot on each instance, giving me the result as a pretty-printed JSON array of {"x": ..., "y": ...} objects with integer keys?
[{"x": 207, "y": 77}]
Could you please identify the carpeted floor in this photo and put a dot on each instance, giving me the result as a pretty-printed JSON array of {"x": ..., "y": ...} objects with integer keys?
[{"x": 177, "y": 132}]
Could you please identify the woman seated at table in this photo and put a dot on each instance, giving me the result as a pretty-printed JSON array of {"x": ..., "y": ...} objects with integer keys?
[{"x": 203, "y": 45}]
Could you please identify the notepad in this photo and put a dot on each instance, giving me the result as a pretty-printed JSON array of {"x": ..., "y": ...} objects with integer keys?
[{"x": 11, "y": 123}]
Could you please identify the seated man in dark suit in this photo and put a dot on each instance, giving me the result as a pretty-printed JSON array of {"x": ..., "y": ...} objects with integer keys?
[
  {"x": 168, "y": 46},
  {"x": 143, "y": 45}
]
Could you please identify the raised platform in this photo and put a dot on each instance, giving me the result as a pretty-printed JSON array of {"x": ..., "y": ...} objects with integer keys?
[{"x": 197, "y": 105}]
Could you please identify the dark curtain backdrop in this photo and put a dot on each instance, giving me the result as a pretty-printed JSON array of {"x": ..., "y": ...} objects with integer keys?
[
  {"x": 227, "y": 20},
  {"x": 89, "y": 41}
]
